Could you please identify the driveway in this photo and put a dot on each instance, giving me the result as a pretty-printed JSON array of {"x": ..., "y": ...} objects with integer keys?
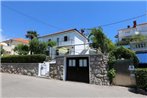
[{"x": 25, "y": 86}]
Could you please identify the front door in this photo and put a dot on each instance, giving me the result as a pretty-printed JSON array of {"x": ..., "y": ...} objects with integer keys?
[{"x": 78, "y": 69}]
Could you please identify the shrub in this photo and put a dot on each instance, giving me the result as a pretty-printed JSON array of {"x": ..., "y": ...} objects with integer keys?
[
  {"x": 141, "y": 78},
  {"x": 22, "y": 49},
  {"x": 111, "y": 74},
  {"x": 122, "y": 52},
  {"x": 37, "y": 58},
  {"x": 37, "y": 47}
]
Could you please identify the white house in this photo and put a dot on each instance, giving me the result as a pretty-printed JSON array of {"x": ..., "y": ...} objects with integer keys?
[
  {"x": 68, "y": 42},
  {"x": 140, "y": 47}
]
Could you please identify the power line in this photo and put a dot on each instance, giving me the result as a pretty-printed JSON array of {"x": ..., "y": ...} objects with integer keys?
[
  {"x": 31, "y": 17},
  {"x": 113, "y": 23}
]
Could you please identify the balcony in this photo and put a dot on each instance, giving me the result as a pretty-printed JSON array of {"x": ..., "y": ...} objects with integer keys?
[
  {"x": 140, "y": 49},
  {"x": 139, "y": 46},
  {"x": 65, "y": 43}
]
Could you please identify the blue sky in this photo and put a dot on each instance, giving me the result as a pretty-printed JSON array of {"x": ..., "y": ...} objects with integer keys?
[{"x": 16, "y": 21}]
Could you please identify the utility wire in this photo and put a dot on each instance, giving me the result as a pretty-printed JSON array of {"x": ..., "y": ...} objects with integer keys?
[
  {"x": 31, "y": 17},
  {"x": 113, "y": 23}
]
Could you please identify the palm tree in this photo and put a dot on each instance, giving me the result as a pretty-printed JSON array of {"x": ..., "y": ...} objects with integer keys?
[{"x": 31, "y": 34}]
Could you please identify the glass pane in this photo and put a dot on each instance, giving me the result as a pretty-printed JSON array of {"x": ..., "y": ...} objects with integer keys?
[
  {"x": 80, "y": 62},
  {"x": 85, "y": 63},
  {"x": 70, "y": 63},
  {"x": 74, "y": 62}
]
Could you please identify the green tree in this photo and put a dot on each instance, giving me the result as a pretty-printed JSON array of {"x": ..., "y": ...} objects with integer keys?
[
  {"x": 2, "y": 50},
  {"x": 138, "y": 38},
  {"x": 51, "y": 43},
  {"x": 100, "y": 41},
  {"x": 31, "y": 34},
  {"x": 37, "y": 47},
  {"x": 120, "y": 53},
  {"x": 22, "y": 49}
]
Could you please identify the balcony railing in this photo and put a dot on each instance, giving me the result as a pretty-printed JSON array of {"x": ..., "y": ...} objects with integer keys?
[
  {"x": 140, "y": 49},
  {"x": 65, "y": 43}
]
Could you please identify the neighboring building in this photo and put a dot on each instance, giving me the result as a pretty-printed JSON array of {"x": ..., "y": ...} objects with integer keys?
[
  {"x": 69, "y": 42},
  {"x": 140, "y": 47},
  {"x": 10, "y": 44}
]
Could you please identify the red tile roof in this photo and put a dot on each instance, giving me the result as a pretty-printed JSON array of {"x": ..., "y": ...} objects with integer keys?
[{"x": 21, "y": 40}]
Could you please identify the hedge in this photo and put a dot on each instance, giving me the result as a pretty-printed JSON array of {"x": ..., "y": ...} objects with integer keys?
[
  {"x": 141, "y": 78},
  {"x": 36, "y": 58}
]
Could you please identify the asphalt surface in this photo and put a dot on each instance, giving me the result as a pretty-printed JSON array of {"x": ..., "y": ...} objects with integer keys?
[{"x": 25, "y": 86}]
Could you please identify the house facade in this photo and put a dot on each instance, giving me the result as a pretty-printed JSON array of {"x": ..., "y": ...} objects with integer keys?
[
  {"x": 68, "y": 42},
  {"x": 140, "y": 46},
  {"x": 9, "y": 45}
]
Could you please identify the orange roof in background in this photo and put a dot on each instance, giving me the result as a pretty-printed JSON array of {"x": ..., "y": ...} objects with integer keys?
[{"x": 21, "y": 40}]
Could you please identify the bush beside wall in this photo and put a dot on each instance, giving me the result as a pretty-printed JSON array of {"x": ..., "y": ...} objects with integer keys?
[
  {"x": 141, "y": 78},
  {"x": 36, "y": 58}
]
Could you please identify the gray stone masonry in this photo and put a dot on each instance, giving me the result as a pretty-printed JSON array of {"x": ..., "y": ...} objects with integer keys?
[
  {"x": 98, "y": 70},
  {"x": 56, "y": 70},
  {"x": 30, "y": 69}
]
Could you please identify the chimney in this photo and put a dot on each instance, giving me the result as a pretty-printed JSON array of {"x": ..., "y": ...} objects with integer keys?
[
  {"x": 128, "y": 26},
  {"x": 82, "y": 31},
  {"x": 134, "y": 24}
]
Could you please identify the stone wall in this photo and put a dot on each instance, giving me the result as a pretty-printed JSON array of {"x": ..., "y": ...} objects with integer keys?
[
  {"x": 30, "y": 69},
  {"x": 98, "y": 70},
  {"x": 56, "y": 70}
]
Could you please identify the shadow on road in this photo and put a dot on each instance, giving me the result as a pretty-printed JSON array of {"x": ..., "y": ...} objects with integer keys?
[{"x": 137, "y": 91}]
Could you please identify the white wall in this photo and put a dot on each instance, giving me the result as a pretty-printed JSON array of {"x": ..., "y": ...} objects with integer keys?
[
  {"x": 142, "y": 29},
  {"x": 11, "y": 46},
  {"x": 55, "y": 36},
  {"x": 72, "y": 35},
  {"x": 82, "y": 41}
]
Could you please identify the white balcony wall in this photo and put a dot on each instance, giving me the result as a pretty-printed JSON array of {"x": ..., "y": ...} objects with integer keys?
[
  {"x": 61, "y": 38},
  {"x": 142, "y": 29},
  {"x": 80, "y": 44},
  {"x": 75, "y": 41}
]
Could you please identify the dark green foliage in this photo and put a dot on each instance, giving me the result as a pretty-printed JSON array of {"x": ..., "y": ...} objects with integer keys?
[
  {"x": 122, "y": 52},
  {"x": 134, "y": 38},
  {"x": 2, "y": 50},
  {"x": 31, "y": 34},
  {"x": 37, "y": 58},
  {"x": 37, "y": 47},
  {"x": 141, "y": 78},
  {"x": 22, "y": 49},
  {"x": 111, "y": 74},
  {"x": 51, "y": 43},
  {"x": 100, "y": 41}
]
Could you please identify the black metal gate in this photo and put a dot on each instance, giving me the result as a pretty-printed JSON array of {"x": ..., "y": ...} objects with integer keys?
[{"x": 78, "y": 69}]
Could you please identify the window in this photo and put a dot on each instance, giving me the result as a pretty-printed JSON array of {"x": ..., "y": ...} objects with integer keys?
[
  {"x": 57, "y": 41},
  {"x": 57, "y": 52},
  {"x": 127, "y": 32},
  {"x": 49, "y": 39},
  {"x": 72, "y": 63},
  {"x": 83, "y": 62},
  {"x": 65, "y": 38}
]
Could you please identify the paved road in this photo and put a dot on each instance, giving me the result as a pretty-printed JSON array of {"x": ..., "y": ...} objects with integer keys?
[{"x": 26, "y": 86}]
